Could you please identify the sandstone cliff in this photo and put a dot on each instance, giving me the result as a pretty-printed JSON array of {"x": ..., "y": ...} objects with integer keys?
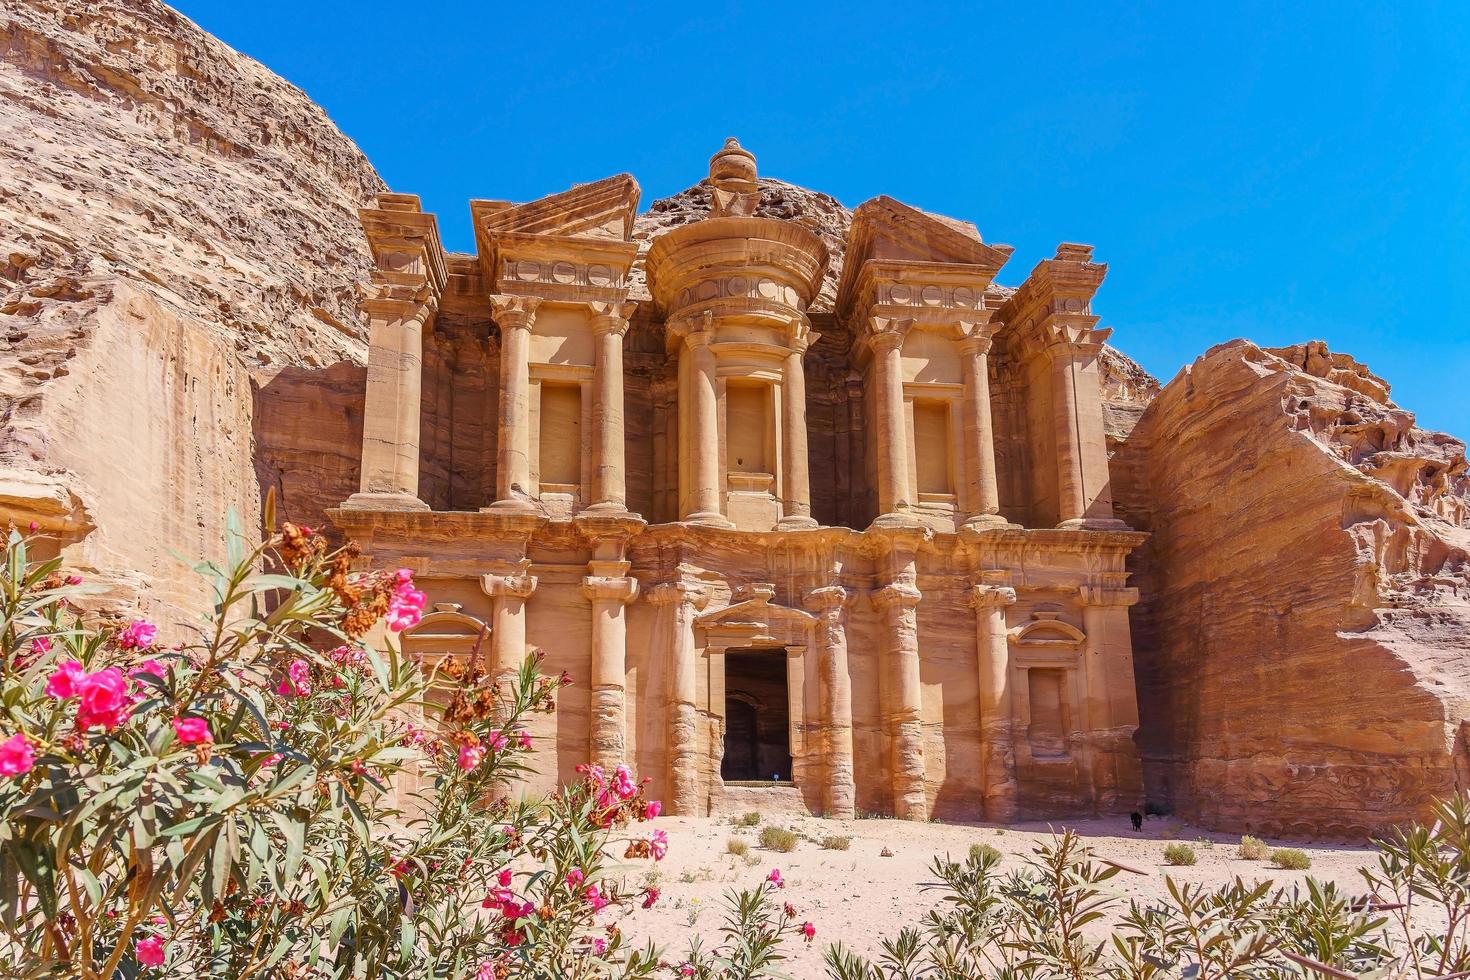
[
  {"x": 177, "y": 224},
  {"x": 1303, "y": 641}
]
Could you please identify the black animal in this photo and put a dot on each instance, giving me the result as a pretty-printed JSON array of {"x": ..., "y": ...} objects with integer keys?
[{"x": 1137, "y": 819}]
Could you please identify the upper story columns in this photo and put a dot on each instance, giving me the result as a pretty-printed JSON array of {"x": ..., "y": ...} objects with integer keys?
[{"x": 406, "y": 282}]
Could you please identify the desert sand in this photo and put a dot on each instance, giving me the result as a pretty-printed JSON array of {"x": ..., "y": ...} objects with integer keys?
[{"x": 859, "y": 898}]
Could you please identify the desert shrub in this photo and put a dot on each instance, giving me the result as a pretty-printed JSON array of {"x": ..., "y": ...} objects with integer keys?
[
  {"x": 1291, "y": 858},
  {"x": 751, "y": 819},
  {"x": 984, "y": 852},
  {"x": 775, "y": 838},
  {"x": 1253, "y": 849},
  {"x": 737, "y": 846},
  {"x": 1180, "y": 854},
  {"x": 835, "y": 843},
  {"x": 216, "y": 805}
]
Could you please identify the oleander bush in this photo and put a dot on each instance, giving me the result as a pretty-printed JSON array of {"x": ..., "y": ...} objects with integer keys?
[
  {"x": 1253, "y": 849},
  {"x": 1180, "y": 854},
  {"x": 982, "y": 852}
]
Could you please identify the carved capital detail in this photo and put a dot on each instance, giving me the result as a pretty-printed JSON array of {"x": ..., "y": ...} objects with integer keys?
[
  {"x": 511, "y": 312},
  {"x": 602, "y": 587},
  {"x": 985, "y": 596},
  {"x": 515, "y": 580},
  {"x": 611, "y": 317},
  {"x": 887, "y": 333},
  {"x": 827, "y": 598},
  {"x": 668, "y": 593},
  {"x": 897, "y": 595},
  {"x": 1095, "y": 595}
]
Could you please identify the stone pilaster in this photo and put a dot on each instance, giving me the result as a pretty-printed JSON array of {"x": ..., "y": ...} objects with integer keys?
[
  {"x": 609, "y": 480},
  {"x": 892, "y": 417},
  {"x": 1111, "y": 707},
  {"x": 796, "y": 482},
  {"x": 509, "y": 585},
  {"x": 836, "y": 695},
  {"x": 997, "y": 749},
  {"x": 904, "y": 708},
  {"x": 609, "y": 590},
  {"x": 515, "y": 316},
  {"x": 682, "y": 600}
]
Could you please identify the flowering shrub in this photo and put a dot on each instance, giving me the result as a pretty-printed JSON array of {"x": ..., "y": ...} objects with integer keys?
[{"x": 218, "y": 805}]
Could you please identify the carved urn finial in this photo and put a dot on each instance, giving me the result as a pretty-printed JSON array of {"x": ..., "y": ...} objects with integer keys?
[{"x": 732, "y": 178}]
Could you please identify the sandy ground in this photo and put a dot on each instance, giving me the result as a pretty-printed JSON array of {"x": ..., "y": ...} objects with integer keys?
[{"x": 858, "y": 897}]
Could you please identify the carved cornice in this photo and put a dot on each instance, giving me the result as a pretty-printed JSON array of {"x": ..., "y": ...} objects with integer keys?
[
  {"x": 1051, "y": 313},
  {"x": 404, "y": 241}
]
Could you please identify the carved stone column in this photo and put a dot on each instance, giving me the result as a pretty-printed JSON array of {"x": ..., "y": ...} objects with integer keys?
[
  {"x": 703, "y": 444},
  {"x": 904, "y": 709},
  {"x": 515, "y": 315},
  {"x": 1071, "y": 494},
  {"x": 997, "y": 751},
  {"x": 1111, "y": 708},
  {"x": 836, "y": 693},
  {"x": 609, "y": 481},
  {"x": 509, "y": 586},
  {"x": 982, "y": 494},
  {"x": 796, "y": 487},
  {"x": 892, "y": 420},
  {"x": 683, "y": 600},
  {"x": 610, "y": 590}
]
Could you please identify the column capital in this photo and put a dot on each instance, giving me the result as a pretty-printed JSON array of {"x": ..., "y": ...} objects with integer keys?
[
  {"x": 668, "y": 593},
  {"x": 897, "y": 595},
  {"x": 622, "y": 590},
  {"x": 514, "y": 579},
  {"x": 985, "y": 596},
  {"x": 887, "y": 333},
  {"x": 826, "y": 598},
  {"x": 611, "y": 318},
  {"x": 511, "y": 312},
  {"x": 396, "y": 304},
  {"x": 978, "y": 344}
]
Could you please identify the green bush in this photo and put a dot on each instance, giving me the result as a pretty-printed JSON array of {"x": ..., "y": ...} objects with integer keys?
[
  {"x": 737, "y": 846},
  {"x": 1180, "y": 853},
  {"x": 751, "y": 819},
  {"x": 1253, "y": 849},
  {"x": 775, "y": 838},
  {"x": 983, "y": 853},
  {"x": 1291, "y": 858},
  {"x": 833, "y": 843}
]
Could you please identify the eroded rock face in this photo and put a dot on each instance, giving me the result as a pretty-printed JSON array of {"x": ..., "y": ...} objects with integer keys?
[
  {"x": 177, "y": 224},
  {"x": 1303, "y": 641}
]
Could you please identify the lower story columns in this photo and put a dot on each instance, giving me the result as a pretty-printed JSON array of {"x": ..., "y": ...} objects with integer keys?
[
  {"x": 609, "y": 594},
  {"x": 997, "y": 749},
  {"x": 682, "y": 599},
  {"x": 904, "y": 707},
  {"x": 1111, "y": 712},
  {"x": 836, "y": 694},
  {"x": 509, "y": 586}
]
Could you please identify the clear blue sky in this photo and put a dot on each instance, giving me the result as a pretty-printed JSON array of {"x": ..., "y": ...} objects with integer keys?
[{"x": 1276, "y": 171}]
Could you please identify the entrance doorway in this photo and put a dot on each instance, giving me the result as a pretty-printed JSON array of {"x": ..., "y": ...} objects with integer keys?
[{"x": 757, "y": 720}]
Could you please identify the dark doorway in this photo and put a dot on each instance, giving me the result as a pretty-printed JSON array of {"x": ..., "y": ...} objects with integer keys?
[{"x": 757, "y": 723}]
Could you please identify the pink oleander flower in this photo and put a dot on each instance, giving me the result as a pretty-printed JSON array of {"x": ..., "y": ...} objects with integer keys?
[
  {"x": 595, "y": 898},
  {"x": 486, "y": 971},
  {"x": 16, "y": 756},
  {"x": 73, "y": 580},
  {"x": 64, "y": 680},
  {"x": 686, "y": 970},
  {"x": 297, "y": 682},
  {"x": 524, "y": 740},
  {"x": 104, "y": 700},
  {"x": 193, "y": 731},
  {"x": 623, "y": 783},
  {"x": 650, "y": 896},
  {"x": 599, "y": 945},
  {"x": 471, "y": 756},
  {"x": 505, "y": 877},
  {"x": 41, "y": 646},
  {"x": 653, "y": 809},
  {"x": 658, "y": 845},
  {"x": 137, "y": 635},
  {"x": 405, "y": 604},
  {"x": 575, "y": 878},
  {"x": 809, "y": 931},
  {"x": 498, "y": 742},
  {"x": 775, "y": 878},
  {"x": 149, "y": 666},
  {"x": 149, "y": 951}
]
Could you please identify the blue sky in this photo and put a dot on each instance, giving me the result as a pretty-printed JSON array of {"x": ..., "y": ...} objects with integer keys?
[{"x": 1281, "y": 172}]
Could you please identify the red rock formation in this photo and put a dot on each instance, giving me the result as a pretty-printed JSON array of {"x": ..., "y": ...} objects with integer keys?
[
  {"x": 1303, "y": 642},
  {"x": 177, "y": 224}
]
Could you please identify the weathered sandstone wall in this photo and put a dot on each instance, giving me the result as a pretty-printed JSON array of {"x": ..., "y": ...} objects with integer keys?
[
  {"x": 177, "y": 227},
  {"x": 1303, "y": 641}
]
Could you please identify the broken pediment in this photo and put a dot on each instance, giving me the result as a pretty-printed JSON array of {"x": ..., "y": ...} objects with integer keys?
[{"x": 602, "y": 209}]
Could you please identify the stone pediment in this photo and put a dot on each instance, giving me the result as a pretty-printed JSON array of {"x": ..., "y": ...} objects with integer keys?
[
  {"x": 889, "y": 241},
  {"x": 756, "y": 620},
  {"x": 602, "y": 209}
]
